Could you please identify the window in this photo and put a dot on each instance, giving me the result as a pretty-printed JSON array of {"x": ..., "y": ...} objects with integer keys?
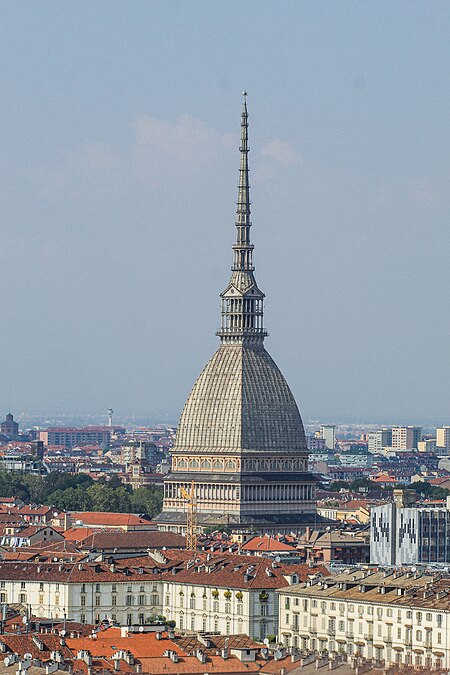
[
  {"x": 114, "y": 600},
  {"x": 439, "y": 619},
  {"x": 351, "y": 609},
  {"x": 181, "y": 622},
  {"x": 22, "y": 584},
  {"x": 204, "y": 625},
  {"x": 167, "y": 599},
  {"x": 97, "y": 601},
  {"x": 141, "y": 600},
  {"x": 114, "y": 588},
  {"x": 97, "y": 588},
  {"x": 239, "y": 609},
  {"x": 192, "y": 603},
  {"x": 141, "y": 588},
  {"x": 193, "y": 622},
  {"x": 409, "y": 614},
  {"x": 419, "y": 635},
  {"x": 83, "y": 618},
  {"x": 57, "y": 587},
  {"x": 113, "y": 617},
  {"x": 41, "y": 598},
  {"x": 141, "y": 619},
  {"x": 379, "y": 612},
  {"x": 23, "y": 598},
  {"x": 215, "y": 606},
  {"x": 228, "y": 627},
  {"x": 83, "y": 601},
  {"x": 228, "y": 607},
  {"x": 155, "y": 599},
  {"x": 439, "y": 638},
  {"x": 341, "y": 625},
  {"x": 83, "y": 588},
  {"x": 314, "y": 603},
  {"x": 2, "y": 584},
  {"x": 129, "y": 600},
  {"x": 419, "y": 617},
  {"x": 41, "y": 586},
  {"x": 264, "y": 610},
  {"x": 216, "y": 625},
  {"x": 57, "y": 599},
  {"x": 389, "y": 612},
  {"x": 204, "y": 603},
  {"x": 129, "y": 619},
  {"x": 399, "y": 633}
]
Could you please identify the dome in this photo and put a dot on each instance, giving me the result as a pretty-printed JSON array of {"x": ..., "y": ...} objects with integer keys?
[{"x": 241, "y": 401}]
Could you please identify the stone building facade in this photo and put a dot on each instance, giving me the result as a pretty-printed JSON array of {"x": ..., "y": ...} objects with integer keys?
[{"x": 396, "y": 618}]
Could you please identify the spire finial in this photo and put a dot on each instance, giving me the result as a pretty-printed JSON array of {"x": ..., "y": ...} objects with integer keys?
[{"x": 242, "y": 302}]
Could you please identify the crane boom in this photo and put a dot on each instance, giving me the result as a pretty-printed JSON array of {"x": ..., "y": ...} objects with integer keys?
[{"x": 191, "y": 517}]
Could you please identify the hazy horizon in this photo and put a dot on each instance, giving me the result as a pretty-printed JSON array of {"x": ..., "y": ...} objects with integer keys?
[{"x": 120, "y": 135}]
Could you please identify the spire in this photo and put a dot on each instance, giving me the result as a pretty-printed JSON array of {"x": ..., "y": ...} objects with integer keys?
[{"x": 242, "y": 301}]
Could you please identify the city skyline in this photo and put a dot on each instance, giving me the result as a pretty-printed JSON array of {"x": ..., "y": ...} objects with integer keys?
[{"x": 117, "y": 185}]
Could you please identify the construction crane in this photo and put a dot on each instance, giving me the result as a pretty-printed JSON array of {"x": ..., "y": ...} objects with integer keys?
[{"x": 191, "y": 517}]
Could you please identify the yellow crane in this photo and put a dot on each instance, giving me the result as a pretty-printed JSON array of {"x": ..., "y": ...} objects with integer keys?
[{"x": 191, "y": 517}]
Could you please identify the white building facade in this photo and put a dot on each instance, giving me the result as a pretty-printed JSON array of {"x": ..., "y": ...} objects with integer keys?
[{"x": 396, "y": 619}]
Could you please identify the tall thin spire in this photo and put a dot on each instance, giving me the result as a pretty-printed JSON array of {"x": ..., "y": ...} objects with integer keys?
[
  {"x": 242, "y": 301},
  {"x": 243, "y": 248}
]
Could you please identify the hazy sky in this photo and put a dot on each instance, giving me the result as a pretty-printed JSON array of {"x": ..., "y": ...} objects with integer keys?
[{"x": 119, "y": 126}]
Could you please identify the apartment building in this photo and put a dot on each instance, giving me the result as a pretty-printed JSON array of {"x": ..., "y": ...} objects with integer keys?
[
  {"x": 443, "y": 438},
  {"x": 403, "y": 533},
  {"x": 221, "y": 593},
  {"x": 394, "y": 618},
  {"x": 70, "y": 437},
  {"x": 406, "y": 438},
  {"x": 378, "y": 440}
]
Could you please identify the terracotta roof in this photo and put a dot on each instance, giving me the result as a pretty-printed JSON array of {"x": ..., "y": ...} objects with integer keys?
[
  {"x": 77, "y": 533},
  {"x": 266, "y": 544},
  {"x": 21, "y": 644},
  {"x": 190, "y": 664},
  {"x": 132, "y": 540},
  {"x": 139, "y": 644},
  {"x": 109, "y": 518},
  {"x": 225, "y": 571}
]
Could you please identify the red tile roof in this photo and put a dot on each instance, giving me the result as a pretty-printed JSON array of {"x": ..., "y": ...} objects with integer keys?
[
  {"x": 109, "y": 518},
  {"x": 266, "y": 544}
]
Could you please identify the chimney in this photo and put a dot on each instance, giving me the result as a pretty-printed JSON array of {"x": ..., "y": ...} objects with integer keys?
[{"x": 225, "y": 649}]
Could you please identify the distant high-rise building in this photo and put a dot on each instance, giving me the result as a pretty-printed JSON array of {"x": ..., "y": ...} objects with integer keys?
[
  {"x": 406, "y": 438},
  {"x": 9, "y": 427},
  {"x": 379, "y": 439},
  {"x": 240, "y": 444},
  {"x": 328, "y": 433},
  {"x": 443, "y": 438},
  {"x": 427, "y": 445},
  {"x": 403, "y": 533},
  {"x": 71, "y": 437}
]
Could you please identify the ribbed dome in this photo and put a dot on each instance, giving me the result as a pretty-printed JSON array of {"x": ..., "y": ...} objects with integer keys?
[{"x": 241, "y": 401}]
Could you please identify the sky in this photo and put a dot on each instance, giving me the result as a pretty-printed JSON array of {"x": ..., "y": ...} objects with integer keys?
[{"x": 119, "y": 135}]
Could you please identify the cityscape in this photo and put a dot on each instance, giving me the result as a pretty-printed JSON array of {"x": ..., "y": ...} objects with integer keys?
[{"x": 266, "y": 527}]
